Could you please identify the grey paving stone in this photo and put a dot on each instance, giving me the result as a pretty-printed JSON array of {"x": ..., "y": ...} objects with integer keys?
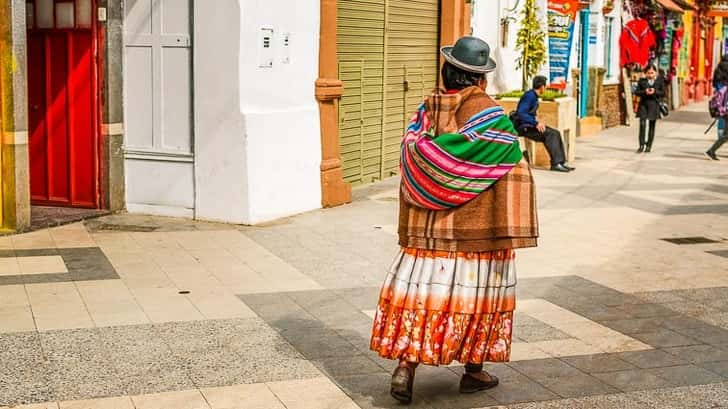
[
  {"x": 647, "y": 310},
  {"x": 650, "y": 358},
  {"x": 363, "y": 298},
  {"x": 538, "y": 333},
  {"x": 664, "y": 338},
  {"x": 660, "y": 297},
  {"x": 719, "y": 368},
  {"x": 633, "y": 380},
  {"x": 684, "y": 375},
  {"x": 323, "y": 344},
  {"x": 25, "y": 376},
  {"x": 576, "y": 386},
  {"x": 136, "y": 349},
  {"x": 20, "y": 391},
  {"x": 83, "y": 264},
  {"x": 598, "y": 363},
  {"x": 678, "y": 323},
  {"x": 86, "y": 264},
  {"x": 699, "y": 353},
  {"x": 439, "y": 388},
  {"x": 706, "y": 333},
  {"x": 156, "y": 379},
  {"x": 611, "y": 298},
  {"x": 634, "y": 325},
  {"x": 523, "y": 320},
  {"x": 372, "y": 391},
  {"x": 279, "y": 311},
  {"x": 600, "y": 313},
  {"x": 615, "y": 401},
  {"x": 520, "y": 388},
  {"x": 541, "y": 369},
  {"x": 693, "y": 397},
  {"x": 351, "y": 365}
]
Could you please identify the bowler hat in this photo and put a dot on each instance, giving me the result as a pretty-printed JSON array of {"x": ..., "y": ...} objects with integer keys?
[{"x": 470, "y": 54}]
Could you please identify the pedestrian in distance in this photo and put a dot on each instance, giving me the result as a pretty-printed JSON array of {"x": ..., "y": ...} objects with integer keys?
[
  {"x": 467, "y": 201},
  {"x": 527, "y": 124},
  {"x": 720, "y": 82},
  {"x": 651, "y": 90}
]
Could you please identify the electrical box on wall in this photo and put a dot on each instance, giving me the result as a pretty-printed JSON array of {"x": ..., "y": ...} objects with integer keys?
[
  {"x": 265, "y": 48},
  {"x": 286, "y": 48}
]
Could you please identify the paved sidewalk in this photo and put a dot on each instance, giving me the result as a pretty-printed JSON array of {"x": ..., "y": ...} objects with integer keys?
[{"x": 623, "y": 305}]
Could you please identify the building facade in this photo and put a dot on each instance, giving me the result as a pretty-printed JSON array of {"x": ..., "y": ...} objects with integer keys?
[{"x": 242, "y": 113}]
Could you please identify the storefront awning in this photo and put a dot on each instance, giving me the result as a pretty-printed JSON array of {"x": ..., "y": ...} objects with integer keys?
[{"x": 670, "y": 5}]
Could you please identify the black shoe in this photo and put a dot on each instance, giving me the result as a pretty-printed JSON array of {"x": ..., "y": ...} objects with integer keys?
[
  {"x": 568, "y": 167},
  {"x": 560, "y": 168},
  {"x": 711, "y": 155},
  {"x": 641, "y": 149},
  {"x": 648, "y": 149},
  {"x": 471, "y": 384},
  {"x": 402, "y": 380}
]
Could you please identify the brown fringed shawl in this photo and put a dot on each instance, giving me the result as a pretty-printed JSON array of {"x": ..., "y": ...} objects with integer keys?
[{"x": 502, "y": 217}]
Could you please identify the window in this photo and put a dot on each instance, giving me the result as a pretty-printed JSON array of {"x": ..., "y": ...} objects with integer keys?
[{"x": 609, "y": 35}]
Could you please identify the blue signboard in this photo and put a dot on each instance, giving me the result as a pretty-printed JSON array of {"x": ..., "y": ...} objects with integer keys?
[{"x": 561, "y": 32}]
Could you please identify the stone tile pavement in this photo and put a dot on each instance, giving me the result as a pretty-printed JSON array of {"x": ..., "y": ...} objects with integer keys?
[{"x": 623, "y": 305}]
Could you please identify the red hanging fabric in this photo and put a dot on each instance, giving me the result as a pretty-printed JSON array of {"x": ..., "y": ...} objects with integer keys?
[{"x": 635, "y": 43}]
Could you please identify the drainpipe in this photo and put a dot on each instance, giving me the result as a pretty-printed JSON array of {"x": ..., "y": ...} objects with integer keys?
[{"x": 584, "y": 92}]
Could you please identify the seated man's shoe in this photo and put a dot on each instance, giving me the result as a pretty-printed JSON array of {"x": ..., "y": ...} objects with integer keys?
[
  {"x": 641, "y": 149},
  {"x": 568, "y": 167},
  {"x": 560, "y": 168},
  {"x": 711, "y": 155}
]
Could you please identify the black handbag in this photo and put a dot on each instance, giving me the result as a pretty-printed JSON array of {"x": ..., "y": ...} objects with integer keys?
[{"x": 664, "y": 110}]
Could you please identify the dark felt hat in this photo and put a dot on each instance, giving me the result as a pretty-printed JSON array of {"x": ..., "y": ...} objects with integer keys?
[{"x": 470, "y": 54}]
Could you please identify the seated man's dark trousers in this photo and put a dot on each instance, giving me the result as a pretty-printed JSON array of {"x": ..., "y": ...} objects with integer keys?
[{"x": 551, "y": 138}]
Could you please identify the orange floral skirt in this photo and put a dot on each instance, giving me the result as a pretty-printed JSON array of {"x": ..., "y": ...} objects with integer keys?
[{"x": 437, "y": 307}]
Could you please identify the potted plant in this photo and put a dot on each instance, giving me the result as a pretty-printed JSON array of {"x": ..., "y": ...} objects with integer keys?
[{"x": 531, "y": 42}]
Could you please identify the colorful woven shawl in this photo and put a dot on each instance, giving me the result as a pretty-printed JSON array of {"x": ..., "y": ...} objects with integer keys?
[{"x": 450, "y": 169}]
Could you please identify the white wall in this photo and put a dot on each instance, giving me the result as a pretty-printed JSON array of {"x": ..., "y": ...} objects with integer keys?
[
  {"x": 486, "y": 24},
  {"x": 283, "y": 128},
  {"x": 257, "y": 129}
]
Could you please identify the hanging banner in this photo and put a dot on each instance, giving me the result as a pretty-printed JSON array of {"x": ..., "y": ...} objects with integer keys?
[
  {"x": 561, "y": 18},
  {"x": 665, "y": 59},
  {"x": 717, "y": 8}
]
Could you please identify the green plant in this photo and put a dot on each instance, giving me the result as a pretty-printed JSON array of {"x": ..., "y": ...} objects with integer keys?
[
  {"x": 531, "y": 42},
  {"x": 548, "y": 95}
]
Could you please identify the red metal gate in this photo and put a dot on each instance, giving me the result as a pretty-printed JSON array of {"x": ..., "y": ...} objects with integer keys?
[{"x": 63, "y": 108}]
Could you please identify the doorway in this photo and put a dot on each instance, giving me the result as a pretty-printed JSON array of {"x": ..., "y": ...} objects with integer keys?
[{"x": 63, "y": 103}]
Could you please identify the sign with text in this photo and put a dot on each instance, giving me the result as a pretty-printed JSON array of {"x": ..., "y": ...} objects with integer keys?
[
  {"x": 561, "y": 18},
  {"x": 718, "y": 8}
]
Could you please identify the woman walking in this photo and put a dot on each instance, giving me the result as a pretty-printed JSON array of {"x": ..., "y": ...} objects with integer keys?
[
  {"x": 467, "y": 200},
  {"x": 651, "y": 90},
  {"x": 720, "y": 80}
]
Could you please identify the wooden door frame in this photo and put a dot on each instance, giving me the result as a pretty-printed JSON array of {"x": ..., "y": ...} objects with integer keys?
[{"x": 95, "y": 115}]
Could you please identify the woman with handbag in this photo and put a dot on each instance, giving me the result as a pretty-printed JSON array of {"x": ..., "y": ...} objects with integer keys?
[
  {"x": 651, "y": 90},
  {"x": 467, "y": 201}
]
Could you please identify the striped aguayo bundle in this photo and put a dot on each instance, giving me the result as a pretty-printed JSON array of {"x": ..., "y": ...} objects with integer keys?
[{"x": 445, "y": 171}]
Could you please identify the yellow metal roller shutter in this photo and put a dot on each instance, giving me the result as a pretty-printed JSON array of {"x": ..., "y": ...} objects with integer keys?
[
  {"x": 360, "y": 32},
  {"x": 411, "y": 63}
]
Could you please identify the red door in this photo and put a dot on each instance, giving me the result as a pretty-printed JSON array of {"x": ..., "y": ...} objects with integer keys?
[{"x": 62, "y": 84}]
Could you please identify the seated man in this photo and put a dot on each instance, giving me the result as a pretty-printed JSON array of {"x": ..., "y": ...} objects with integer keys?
[{"x": 528, "y": 126}]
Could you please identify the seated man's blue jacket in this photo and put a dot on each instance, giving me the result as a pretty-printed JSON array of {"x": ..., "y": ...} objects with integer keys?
[{"x": 526, "y": 111}]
